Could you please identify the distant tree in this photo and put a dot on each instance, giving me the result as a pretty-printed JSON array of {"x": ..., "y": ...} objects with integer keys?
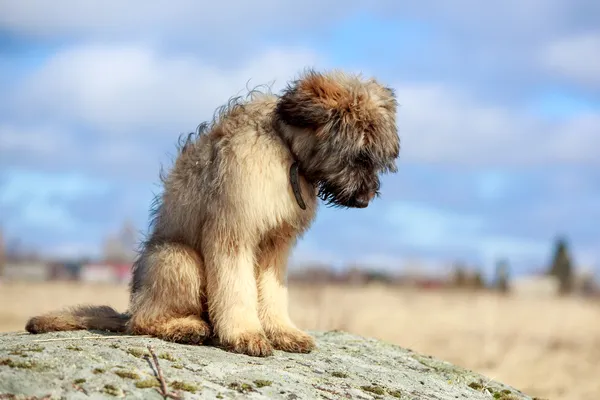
[
  {"x": 502, "y": 276},
  {"x": 477, "y": 280},
  {"x": 459, "y": 275},
  {"x": 587, "y": 284},
  {"x": 562, "y": 267},
  {"x": 377, "y": 276},
  {"x": 128, "y": 237},
  {"x": 121, "y": 247},
  {"x": 13, "y": 250}
]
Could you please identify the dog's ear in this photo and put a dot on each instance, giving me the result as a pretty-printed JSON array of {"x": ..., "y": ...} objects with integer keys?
[{"x": 313, "y": 100}]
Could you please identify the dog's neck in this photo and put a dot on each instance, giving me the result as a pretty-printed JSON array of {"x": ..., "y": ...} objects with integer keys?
[{"x": 294, "y": 173}]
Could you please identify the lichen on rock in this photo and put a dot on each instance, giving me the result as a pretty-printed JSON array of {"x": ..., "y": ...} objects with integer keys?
[{"x": 344, "y": 366}]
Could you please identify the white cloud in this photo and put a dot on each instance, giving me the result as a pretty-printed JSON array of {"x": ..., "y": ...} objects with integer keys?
[
  {"x": 34, "y": 194},
  {"x": 476, "y": 14},
  {"x": 183, "y": 19},
  {"x": 38, "y": 142},
  {"x": 440, "y": 125},
  {"x": 128, "y": 89},
  {"x": 53, "y": 147},
  {"x": 118, "y": 109},
  {"x": 127, "y": 96},
  {"x": 422, "y": 227},
  {"x": 576, "y": 57},
  {"x": 188, "y": 17},
  {"x": 21, "y": 185}
]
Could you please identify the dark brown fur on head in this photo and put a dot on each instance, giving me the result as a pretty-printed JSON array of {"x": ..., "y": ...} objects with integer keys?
[{"x": 342, "y": 131}]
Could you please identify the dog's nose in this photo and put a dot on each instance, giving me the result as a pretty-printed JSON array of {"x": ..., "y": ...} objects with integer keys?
[{"x": 362, "y": 200}]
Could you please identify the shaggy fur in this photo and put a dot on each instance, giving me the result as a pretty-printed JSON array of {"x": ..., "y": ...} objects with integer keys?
[{"x": 215, "y": 261}]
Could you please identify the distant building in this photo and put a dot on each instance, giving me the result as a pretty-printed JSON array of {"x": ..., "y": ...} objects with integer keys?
[
  {"x": 27, "y": 271},
  {"x": 64, "y": 271},
  {"x": 314, "y": 273},
  {"x": 99, "y": 273},
  {"x": 123, "y": 273},
  {"x": 117, "y": 273},
  {"x": 535, "y": 286}
]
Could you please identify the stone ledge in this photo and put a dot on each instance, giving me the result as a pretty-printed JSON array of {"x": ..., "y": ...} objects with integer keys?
[{"x": 92, "y": 365}]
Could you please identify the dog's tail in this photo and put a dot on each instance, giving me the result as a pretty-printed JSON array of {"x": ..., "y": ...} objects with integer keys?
[{"x": 103, "y": 318}]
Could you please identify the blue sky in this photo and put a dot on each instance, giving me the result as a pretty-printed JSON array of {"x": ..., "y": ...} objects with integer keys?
[{"x": 499, "y": 118}]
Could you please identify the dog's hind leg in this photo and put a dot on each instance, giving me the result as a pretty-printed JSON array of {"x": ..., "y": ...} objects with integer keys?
[{"x": 168, "y": 300}]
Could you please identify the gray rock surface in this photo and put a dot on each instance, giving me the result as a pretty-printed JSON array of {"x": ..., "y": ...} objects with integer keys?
[{"x": 92, "y": 365}]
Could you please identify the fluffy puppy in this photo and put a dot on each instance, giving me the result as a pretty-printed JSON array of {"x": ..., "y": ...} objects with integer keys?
[{"x": 241, "y": 192}]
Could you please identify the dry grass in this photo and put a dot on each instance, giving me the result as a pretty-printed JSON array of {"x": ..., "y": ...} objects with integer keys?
[{"x": 545, "y": 347}]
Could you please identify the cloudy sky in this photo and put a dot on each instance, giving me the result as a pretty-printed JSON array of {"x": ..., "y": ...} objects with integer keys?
[{"x": 499, "y": 117}]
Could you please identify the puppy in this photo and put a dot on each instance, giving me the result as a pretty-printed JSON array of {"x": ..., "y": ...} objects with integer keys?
[{"x": 241, "y": 192}]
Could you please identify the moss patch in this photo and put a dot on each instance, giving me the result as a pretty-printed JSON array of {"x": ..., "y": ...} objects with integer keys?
[
  {"x": 98, "y": 371},
  {"x": 381, "y": 391},
  {"x": 262, "y": 383},
  {"x": 339, "y": 374},
  {"x": 446, "y": 370},
  {"x": 188, "y": 387},
  {"x": 505, "y": 395},
  {"x": 19, "y": 364},
  {"x": 241, "y": 387},
  {"x": 79, "y": 381},
  {"x": 147, "y": 383},
  {"x": 167, "y": 356},
  {"x": 137, "y": 352},
  {"x": 112, "y": 390},
  {"x": 74, "y": 348},
  {"x": 20, "y": 351},
  {"x": 127, "y": 374},
  {"x": 374, "y": 389}
]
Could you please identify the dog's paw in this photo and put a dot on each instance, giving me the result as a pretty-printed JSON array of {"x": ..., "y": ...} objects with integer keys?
[
  {"x": 292, "y": 340},
  {"x": 188, "y": 330},
  {"x": 254, "y": 344}
]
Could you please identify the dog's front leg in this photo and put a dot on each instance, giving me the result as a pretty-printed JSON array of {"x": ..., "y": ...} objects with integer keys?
[
  {"x": 273, "y": 299},
  {"x": 232, "y": 300}
]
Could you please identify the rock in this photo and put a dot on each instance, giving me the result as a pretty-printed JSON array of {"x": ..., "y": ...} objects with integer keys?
[{"x": 94, "y": 365}]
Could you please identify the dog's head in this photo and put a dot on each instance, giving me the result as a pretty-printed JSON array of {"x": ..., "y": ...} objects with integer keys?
[{"x": 342, "y": 129}]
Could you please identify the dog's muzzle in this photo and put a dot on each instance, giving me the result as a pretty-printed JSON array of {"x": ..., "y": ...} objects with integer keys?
[{"x": 362, "y": 200}]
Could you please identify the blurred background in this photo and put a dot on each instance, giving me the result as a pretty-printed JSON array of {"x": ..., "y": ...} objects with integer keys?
[{"x": 484, "y": 249}]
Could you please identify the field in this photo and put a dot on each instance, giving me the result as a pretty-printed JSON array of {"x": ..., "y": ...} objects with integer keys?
[{"x": 545, "y": 347}]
